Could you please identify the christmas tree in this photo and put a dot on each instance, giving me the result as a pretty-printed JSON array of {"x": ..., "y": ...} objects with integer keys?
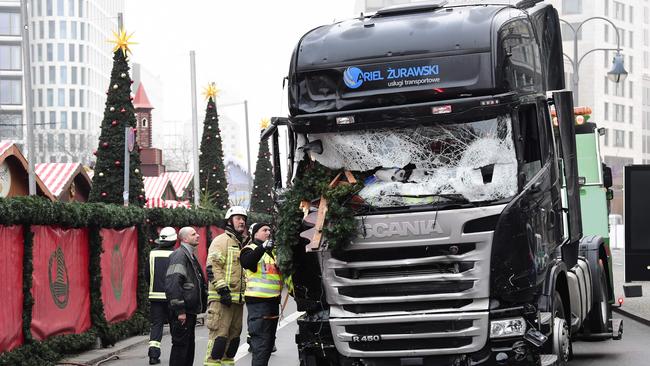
[
  {"x": 212, "y": 172},
  {"x": 108, "y": 180},
  {"x": 261, "y": 201}
]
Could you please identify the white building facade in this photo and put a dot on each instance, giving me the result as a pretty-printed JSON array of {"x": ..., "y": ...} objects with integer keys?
[
  {"x": 71, "y": 63},
  {"x": 11, "y": 74}
]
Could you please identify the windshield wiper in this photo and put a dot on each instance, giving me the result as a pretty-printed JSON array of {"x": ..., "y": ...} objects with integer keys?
[{"x": 453, "y": 197}]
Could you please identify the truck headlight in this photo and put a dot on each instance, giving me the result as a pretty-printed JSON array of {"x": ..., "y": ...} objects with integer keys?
[{"x": 507, "y": 327}]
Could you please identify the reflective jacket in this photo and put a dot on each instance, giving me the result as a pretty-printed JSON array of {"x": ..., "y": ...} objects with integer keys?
[
  {"x": 157, "y": 270},
  {"x": 223, "y": 261}
]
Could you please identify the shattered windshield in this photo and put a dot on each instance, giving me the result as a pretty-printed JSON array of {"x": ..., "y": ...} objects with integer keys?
[{"x": 419, "y": 165}]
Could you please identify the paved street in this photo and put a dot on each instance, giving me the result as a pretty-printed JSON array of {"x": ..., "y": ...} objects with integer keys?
[{"x": 632, "y": 350}]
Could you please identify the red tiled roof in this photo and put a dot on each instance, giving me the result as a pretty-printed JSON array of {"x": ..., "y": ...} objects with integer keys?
[{"x": 141, "y": 100}]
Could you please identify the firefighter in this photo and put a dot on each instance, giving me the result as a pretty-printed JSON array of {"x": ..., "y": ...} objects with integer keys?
[
  {"x": 226, "y": 290},
  {"x": 158, "y": 263},
  {"x": 263, "y": 292}
]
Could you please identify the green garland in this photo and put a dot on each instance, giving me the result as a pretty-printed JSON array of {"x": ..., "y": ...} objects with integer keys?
[
  {"x": 341, "y": 225},
  {"x": 29, "y": 211}
]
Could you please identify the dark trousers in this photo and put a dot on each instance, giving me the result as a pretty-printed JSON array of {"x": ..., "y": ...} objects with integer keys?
[
  {"x": 158, "y": 316},
  {"x": 262, "y": 324},
  {"x": 182, "y": 341}
]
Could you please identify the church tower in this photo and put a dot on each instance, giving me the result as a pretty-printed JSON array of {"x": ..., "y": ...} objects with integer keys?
[{"x": 143, "y": 110}]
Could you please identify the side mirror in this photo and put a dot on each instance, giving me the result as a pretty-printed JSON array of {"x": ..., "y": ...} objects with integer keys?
[{"x": 607, "y": 176}]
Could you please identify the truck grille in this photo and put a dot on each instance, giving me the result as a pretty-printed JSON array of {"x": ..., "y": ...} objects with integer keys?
[
  {"x": 412, "y": 344},
  {"x": 422, "y": 293}
]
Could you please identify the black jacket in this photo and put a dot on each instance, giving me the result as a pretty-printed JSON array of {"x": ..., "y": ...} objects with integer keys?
[{"x": 185, "y": 287}]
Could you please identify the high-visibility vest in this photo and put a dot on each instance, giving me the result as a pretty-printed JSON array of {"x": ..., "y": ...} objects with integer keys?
[
  {"x": 158, "y": 259},
  {"x": 266, "y": 282}
]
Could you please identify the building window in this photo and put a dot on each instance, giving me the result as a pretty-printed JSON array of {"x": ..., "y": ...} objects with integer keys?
[
  {"x": 59, "y": 8},
  {"x": 61, "y": 144},
  {"x": 10, "y": 57},
  {"x": 41, "y": 72},
  {"x": 48, "y": 7},
  {"x": 606, "y": 113},
  {"x": 619, "y": 138},
  {"x": 61, "y": 95},
  {"x": 41, "y": 29},
  {"x": 619, "y": 89},
  {"x": 60, "y": 48},
  {"x": 51, "y": 29},
  {"x": 630, "y": 39},
  {"x": 63, "y": 29},
  {"x": 606, "y": 31},
  {"x": 619, "y": 11},
  {"x": 75, "y": 120},
  {"x": 567, "y": 32},
  {"x": 40, "y": 143},
  {"x": 40, "y": 98},
  {"x": 73, "y": 75},
  {"x": 71, "y": 49},
  {"x": 12, "y": 126},
  {"x": 81, "y": 53},
  {"x": 83, "y": 120},
  {"x": 81, "y": 98},
  {"x": 50, "y": 52},
  {"x": 631, "y": 89},
  {"x": 10, "y": 24},
  {"x": 572, "y": 6},
  {"x": 606, "y": 85},
  {"x": 72, "y": 98},
  {"x": 81, "y": 8},
  {"x": 619, "y": 113},
  {"x": 11, "y": 91},
  {"x": 631, "y": 14},
  {"x": 82, "y": 30},
  {"x": 631, "y": 114},
  {"x": 82, "y": 142},
  {"x": 71, "y": 7},
  {"x": 73, "y": 142},
  {"x": 630, "y": 61},
  {"x": 630, "y": 140},
  {"x": 64, "y": 120},
  {"x": 144, "y": 122},
  {"x": 50, "y": 97},
  {"x": 39, "y": 48},
  {"x": 646, "y": 15},
  {"x": 52, "y": 121},
  {"x": 73, "y": 30},
  {"x": 606, "y": 137},
  {"x": 52, "y": 74},
  {"x": 63, "y": 72}
]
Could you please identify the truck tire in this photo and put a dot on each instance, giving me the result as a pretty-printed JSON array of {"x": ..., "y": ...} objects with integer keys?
[
  {"x": 561, "y": 337},
  {"x": 601, "y": 310}
]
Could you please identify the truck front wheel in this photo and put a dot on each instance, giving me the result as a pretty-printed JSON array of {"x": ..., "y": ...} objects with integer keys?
[{"x": 561, "y": 333}]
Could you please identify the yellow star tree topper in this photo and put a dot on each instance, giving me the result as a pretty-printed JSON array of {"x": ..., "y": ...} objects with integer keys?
[
  {"x": 122, "y": 41},
  {"x": 265, "y": 123},
  {"x": 211, "y": 91}
]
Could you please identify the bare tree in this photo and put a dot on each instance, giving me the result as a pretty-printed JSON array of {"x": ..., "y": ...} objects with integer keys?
[{"x": 178, "y": 155}]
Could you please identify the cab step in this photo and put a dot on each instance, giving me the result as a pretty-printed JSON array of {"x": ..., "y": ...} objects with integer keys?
[{"x": 548, "y": 360}]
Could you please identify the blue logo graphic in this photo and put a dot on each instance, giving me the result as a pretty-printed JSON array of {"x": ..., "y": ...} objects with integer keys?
[{"x": 353, "y": 77}]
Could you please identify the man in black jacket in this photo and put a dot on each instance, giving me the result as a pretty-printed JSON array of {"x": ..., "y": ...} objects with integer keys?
[
  {"x": 187, "y": 296},
  {"x": 155, "y": 274}
]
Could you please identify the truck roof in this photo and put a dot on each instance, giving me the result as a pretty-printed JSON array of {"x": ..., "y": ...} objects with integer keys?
[{"x": 448, "y": 29}]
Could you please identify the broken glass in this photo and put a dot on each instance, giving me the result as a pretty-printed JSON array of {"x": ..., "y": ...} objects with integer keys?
[{"x": 424, "y": 164}]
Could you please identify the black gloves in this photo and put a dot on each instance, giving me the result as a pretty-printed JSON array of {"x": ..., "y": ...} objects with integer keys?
[
  {"x": 224, "y": 293},
  {"x": 208, "y": 269}
]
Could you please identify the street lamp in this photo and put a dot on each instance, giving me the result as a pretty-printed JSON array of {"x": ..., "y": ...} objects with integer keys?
[{"x": 616, "y": 74}]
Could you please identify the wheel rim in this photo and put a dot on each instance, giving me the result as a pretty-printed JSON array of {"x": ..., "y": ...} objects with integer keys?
[{"x": 561, "y": 338}]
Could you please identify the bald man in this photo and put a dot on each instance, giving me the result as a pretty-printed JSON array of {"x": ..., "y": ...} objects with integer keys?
[{"x": 187, "y": 294}]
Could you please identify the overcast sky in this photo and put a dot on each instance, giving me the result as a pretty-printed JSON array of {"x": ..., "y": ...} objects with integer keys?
[{"x": 242, "y": 45}]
